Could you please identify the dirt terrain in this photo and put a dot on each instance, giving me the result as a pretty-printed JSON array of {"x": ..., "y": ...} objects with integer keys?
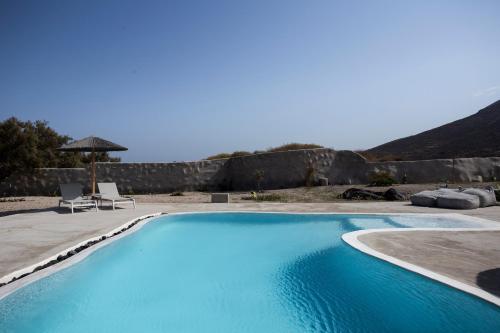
[
  {"x": 475, "y": 136},
  {"x": 316, "y": 194}
]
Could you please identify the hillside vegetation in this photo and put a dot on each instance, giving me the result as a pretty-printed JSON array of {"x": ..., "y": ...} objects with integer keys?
[{"x": 285, "y": 147}]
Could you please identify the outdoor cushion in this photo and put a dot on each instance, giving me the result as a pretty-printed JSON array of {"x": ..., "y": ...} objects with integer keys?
[
  {"x": 428, "y": 198},
  {"x": 424, "y": 198},
  {"x": 486, "y": 197},
  {"x": 457, "y": 200}
]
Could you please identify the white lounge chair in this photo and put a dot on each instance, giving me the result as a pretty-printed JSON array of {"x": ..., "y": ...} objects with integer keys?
[
  {"x": 109, "y": 192},
  {"x": 72, "y": 195}
]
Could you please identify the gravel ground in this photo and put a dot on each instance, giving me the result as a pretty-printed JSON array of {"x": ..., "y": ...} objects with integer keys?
[{"x": 14, "y": 205}]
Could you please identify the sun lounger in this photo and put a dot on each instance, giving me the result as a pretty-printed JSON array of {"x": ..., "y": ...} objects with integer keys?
[
  {"x": 109, "y": 192},
  {"x": 72, "y": 195}
]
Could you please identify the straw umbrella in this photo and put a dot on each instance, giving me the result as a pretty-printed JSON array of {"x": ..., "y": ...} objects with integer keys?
[{"x": 92, "y": 144}]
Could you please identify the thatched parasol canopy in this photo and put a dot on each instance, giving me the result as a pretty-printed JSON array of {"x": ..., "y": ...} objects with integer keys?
[{"x": 92, "y": 144}]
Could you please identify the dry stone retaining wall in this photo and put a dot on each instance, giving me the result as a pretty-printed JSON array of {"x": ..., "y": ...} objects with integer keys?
[
  {"x": 162, "y": 177},
  {"x": 278, "y": 170},
  {"x": 433, "y": 171},
  {"x": 43, "y": 181}
]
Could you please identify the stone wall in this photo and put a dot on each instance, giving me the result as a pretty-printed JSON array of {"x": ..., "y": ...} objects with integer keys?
[
  {"x": 279, "y": 170},
  {"x": 43, "y": 181},
  {"x": 163, "y": 177},
  {"x": 130, "y": 178},
  {"x": 433, "y": 171}
]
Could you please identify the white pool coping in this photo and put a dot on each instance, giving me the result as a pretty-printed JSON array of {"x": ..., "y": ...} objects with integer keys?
[
  {"x": 9, "y": 288},
  {"x": 350, "y": 238}
]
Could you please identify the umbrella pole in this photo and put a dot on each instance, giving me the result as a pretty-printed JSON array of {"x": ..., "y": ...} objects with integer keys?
[{"x": 92, "y": 179}]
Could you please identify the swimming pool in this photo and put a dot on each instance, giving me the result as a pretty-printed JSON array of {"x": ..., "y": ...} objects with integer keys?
[{"x": 244, "y": 272}]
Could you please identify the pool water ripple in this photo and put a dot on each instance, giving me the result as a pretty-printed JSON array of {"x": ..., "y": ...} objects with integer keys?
[{"x": 238, "y": 272}]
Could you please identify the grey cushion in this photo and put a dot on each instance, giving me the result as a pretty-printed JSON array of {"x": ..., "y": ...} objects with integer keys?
[
  {"x": 429, "y": 198},
  {"x": 486, "y": 197},
  {"x": 424, "y": 198},
  {"x": 457, "y": 200}
]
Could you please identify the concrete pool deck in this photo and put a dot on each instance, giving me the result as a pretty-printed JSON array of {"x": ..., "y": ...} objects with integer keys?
[
  {"x": 471, "y": 257},
  {"x": 29, "y": 238}
]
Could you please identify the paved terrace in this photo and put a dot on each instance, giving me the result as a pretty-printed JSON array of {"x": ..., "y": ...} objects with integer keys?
[
  {"x": 28, "y": 238},
  {"x": 471, "y": 257}
]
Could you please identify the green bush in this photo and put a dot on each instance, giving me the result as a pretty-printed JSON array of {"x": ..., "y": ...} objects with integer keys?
[
  {"x": 218, "y": 156},
  {"x": 240, "y": 153},
  {"x": 25, "y": 145},
  {"x": 381, "y": 178},
  {"x": 285, "y": 147},
  {"x": 226, "y": 155},
  {"x": 293, "y": 146}
]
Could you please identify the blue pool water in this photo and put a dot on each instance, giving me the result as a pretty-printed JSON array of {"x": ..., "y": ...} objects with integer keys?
[{"x": 236, "y": 272}]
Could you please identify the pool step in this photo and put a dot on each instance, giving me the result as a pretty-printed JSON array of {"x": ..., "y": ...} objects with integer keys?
[{"x": 372, "y": 223}]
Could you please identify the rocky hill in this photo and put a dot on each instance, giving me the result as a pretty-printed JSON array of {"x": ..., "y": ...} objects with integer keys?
[{"x": 474, "y": 136}]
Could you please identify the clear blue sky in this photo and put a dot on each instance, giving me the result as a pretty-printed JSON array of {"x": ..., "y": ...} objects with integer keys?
[{"x": 180, "y": 80}]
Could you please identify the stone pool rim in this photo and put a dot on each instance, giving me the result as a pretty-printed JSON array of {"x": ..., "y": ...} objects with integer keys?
[
  {"x": 28, "y": 275},
  {"x": 351, "y": 238}
]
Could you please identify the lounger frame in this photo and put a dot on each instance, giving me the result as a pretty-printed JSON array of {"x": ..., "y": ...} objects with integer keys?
[
  {"x": 109, "y": 192},
  {"x": 72, "y": 195}
]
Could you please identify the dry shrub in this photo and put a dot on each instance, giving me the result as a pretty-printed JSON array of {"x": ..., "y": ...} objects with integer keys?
[{"x": 381, "y": 178}]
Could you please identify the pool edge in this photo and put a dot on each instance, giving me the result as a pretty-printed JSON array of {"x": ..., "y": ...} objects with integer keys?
[
  {"x": 351, "y": 238},
  {"x": 137, "y": 223},
  {"x": 29, "y": 274}
]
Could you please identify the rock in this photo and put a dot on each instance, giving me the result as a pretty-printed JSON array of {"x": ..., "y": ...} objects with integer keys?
[
  {"x": 359, "y": 194},
  {"x": 457, "y": 200},
  {"x": 50, "y": 263},
  {"x": 394, "y": 195},
  {"x": 362, "y": 194},
  {"x": 486, "y": 196}
]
